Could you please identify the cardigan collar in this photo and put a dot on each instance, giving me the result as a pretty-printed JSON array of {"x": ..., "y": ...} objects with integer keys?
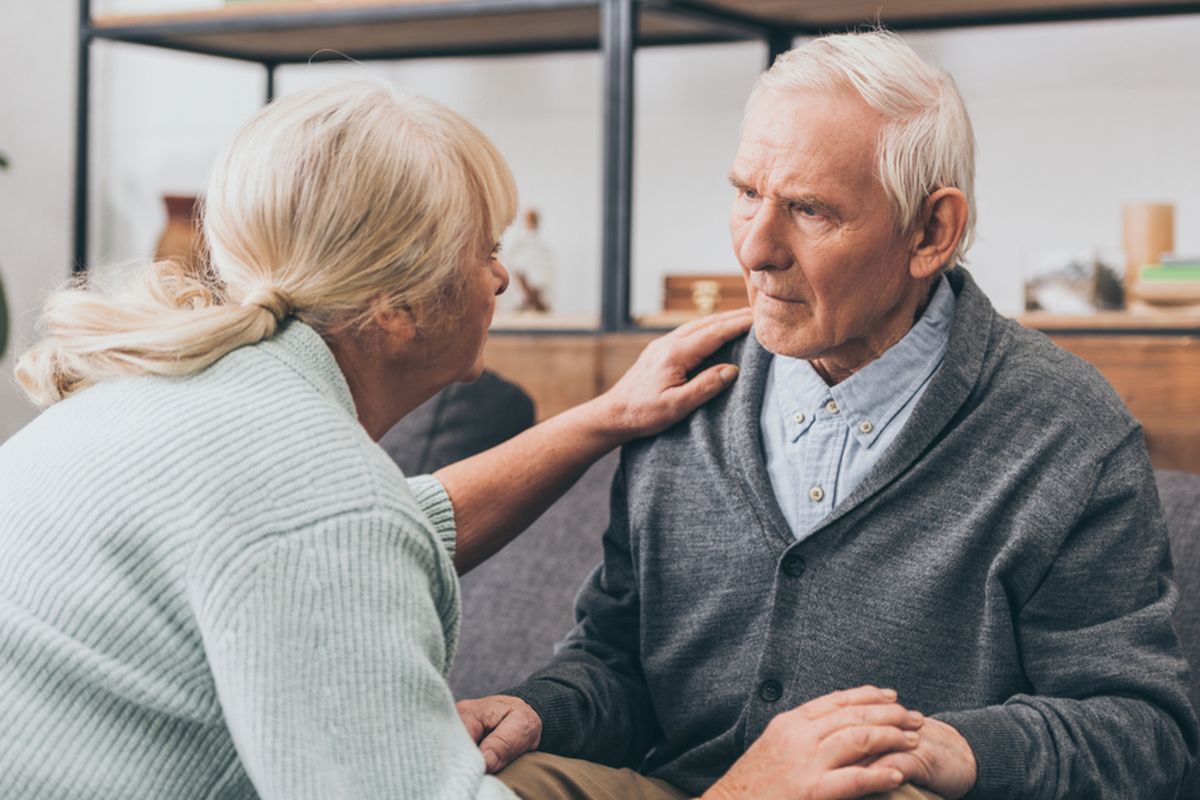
[{"x": 948, "y": 390}]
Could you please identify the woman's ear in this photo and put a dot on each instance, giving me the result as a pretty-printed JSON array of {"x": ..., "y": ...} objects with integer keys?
[
  {"x": 395, "y": 324},
  {"x": 941, "y": 224}
]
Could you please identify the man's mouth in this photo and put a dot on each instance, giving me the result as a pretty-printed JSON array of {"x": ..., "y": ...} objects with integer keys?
[{"x": 777, "y": 298}]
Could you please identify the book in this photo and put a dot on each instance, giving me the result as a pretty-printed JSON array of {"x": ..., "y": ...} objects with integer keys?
[{"x": 1161, "y": 272}]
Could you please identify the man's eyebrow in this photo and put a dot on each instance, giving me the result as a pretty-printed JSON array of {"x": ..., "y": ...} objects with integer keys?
[{"x": 803, "y": 199}]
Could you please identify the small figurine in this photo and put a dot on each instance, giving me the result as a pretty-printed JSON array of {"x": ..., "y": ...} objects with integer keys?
[{"x": 531, "y": 265}]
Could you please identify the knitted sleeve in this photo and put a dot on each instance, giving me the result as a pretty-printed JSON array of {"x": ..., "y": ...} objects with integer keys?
[
  {"x": 435, "y": 504},
  {"x": 328, "y": 657},
  {"x": 592, "y": 698},
  {"x": 1108, "y": 717}
]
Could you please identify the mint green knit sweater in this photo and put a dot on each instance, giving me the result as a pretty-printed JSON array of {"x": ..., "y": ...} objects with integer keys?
[{"x": 219, "y": 587}]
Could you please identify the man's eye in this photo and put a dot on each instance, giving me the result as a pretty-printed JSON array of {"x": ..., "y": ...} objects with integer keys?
[
  {"x": 805, "y": 211},
  {"x": 749, "y": 193}
]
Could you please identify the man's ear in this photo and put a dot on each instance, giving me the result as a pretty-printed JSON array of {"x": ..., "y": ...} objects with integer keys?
[
  {"x": 940, "y": 228},
  {"x": 396, "y": 325}
]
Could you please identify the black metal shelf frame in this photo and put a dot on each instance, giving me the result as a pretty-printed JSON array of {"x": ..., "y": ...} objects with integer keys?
[{"x": 617, "y": 40}]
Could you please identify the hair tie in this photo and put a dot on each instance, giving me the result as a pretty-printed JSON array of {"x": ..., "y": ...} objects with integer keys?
[{"x": 270, "y": 299}]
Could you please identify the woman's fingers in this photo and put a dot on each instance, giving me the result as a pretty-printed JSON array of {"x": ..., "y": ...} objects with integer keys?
[
  {"x": 720, "y": 318},
  {"x": 503, "y": 727},
  {"x": 513, "y": 736},
  {"x": 704, "y": 386},
  {"x": 656, "y": 391},
  {"x": 710, "y": 333}
]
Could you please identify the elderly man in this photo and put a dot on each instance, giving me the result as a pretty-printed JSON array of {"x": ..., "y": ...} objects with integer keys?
[{"x": 903, "y": 489}]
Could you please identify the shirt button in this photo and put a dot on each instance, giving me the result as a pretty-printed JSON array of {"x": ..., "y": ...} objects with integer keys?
[
  {"x": 816, "y": 494},
  {"x": 832, "y": 407},
  {"x": 799, "y": 417},
  {"x": 866, "y": 426},
  {"x": 793, "y": 566},
  {"x": 770, "y": 691}
]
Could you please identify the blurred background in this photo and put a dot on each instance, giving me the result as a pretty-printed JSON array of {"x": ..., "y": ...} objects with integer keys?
[{"x": 1081, "y": 126}]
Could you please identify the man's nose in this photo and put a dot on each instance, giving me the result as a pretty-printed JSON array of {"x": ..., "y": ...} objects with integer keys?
[{"x": 764, "y": 244}]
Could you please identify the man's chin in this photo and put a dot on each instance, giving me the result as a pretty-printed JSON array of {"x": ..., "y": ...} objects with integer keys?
[{"x": 782, "y": 340}]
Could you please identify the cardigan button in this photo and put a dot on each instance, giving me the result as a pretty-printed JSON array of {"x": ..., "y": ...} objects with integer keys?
[
  {"x": 793, "y": 566},
  {"x": 770, "y": 691}
]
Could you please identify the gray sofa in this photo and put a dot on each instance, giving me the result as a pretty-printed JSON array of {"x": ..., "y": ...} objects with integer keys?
[{"x": 519, "y": 604}]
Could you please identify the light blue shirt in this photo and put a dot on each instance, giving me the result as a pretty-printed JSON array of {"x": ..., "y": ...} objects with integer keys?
[{"x": 820, "y": 441}]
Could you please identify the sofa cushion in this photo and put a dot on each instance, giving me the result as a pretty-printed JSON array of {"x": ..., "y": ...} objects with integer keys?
[
  {"x": 519, "y": 604},
  {"x": 1180, "y": 495},
  {"x": 461, "y": 420}
]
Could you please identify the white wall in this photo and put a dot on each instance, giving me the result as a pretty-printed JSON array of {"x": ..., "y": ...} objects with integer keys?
[
  {"x": 1072, "y": 120},
  {"x": 37, "y": 82}
]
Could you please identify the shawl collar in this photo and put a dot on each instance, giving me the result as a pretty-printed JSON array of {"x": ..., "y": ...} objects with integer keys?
[{"x": 952, "y": 384}]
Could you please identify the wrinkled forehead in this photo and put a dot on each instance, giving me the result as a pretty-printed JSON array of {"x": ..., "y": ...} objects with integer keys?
[{"x": 808, "y": 134}]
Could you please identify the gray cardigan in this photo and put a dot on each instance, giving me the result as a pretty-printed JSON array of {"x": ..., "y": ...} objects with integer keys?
[{"x": 1005, "y": 567}]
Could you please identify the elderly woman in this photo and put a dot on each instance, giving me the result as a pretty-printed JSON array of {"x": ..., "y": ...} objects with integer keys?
[{"x": 213, "y": 583}]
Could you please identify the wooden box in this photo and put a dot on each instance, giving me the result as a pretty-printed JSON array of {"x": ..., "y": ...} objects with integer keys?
[{"x": 703, "y": 293}]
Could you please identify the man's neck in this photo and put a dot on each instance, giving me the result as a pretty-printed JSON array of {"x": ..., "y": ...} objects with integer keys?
[{"x": 853, "y": 355}]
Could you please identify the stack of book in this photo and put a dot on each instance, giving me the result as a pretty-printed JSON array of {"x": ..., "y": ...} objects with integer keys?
[{"x": 1175, "y": 282}]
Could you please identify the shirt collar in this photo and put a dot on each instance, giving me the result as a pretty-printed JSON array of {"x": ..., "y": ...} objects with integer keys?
[{"x": 870, "y": 399}]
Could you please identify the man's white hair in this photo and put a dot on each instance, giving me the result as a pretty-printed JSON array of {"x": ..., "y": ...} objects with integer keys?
[{"x": 927, "y": 143}]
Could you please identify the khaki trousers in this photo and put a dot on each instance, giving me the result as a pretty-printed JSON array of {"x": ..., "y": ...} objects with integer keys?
[{"x": 541, "y": 776}]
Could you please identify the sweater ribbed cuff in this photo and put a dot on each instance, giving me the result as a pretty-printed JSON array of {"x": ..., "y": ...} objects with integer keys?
[
  {"x": 435, "y": 504},
  {"x": 999, "y": 743},
  {"x": 556, "y": 706}
]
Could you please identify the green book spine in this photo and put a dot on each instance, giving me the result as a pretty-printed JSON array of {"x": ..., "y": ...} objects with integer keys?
[{"x": 1154, "y": 272}]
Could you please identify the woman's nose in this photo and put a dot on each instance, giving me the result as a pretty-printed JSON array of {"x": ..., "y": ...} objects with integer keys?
[{"x": 501, "y": 273}]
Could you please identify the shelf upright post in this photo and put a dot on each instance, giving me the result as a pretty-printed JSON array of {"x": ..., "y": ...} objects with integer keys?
[
  {"x": 617, "y": 42},
  {"x": 779, "y": 41},
  {"x": 82, "y": 135},
  {"x": 270, "y": 68}
]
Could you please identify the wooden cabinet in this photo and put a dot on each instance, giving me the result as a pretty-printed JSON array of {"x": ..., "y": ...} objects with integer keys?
[
  {"x": 561, "y": 371},
  {"x": 1153, "y": 363}
]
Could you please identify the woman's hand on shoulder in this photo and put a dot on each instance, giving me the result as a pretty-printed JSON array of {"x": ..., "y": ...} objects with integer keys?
[{"x": 659, "y": 390}]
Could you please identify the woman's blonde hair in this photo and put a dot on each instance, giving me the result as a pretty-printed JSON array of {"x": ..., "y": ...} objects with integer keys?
[
  {"x": 927, "y": 143},
  {"x": 326, "y": 202}
]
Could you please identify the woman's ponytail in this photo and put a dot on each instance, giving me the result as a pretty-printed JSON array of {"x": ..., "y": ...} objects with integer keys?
[
  {"x": 173, "y": 322},
  {"x": 325, "y": 203}
]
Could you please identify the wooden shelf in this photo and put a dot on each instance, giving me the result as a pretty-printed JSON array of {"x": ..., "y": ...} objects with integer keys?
[
  {"x": 817, "y": 15},
  {"x": 292, "y": 32},
  {"x": 1165, "y": 322},
  {"x": 297, "y": 32},
  {"x": 534, "y": 321}
]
